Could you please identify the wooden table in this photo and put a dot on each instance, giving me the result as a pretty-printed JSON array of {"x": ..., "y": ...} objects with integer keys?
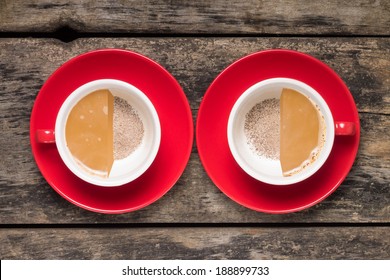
[{"x": 194, "y": 40}]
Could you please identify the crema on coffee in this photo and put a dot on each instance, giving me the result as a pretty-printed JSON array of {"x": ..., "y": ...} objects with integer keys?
[{"x": 290, "y": 129}]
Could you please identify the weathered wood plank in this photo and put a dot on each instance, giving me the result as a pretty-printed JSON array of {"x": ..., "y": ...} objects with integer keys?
[
  {"x": 363, "y": 63},
  {"x": 196, "y": 243},
  {"x": 198, "y": 17},
  {"x": 25, "y": 64}
]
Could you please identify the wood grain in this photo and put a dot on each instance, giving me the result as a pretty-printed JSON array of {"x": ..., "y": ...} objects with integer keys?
[
  {"x": 335, "y": 17},
  {"x": 196, "y": 243},
  {"x": 363, "y": 63}
]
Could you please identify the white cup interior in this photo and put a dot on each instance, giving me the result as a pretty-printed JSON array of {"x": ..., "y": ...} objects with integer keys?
[
  {"x": 260, "y": 167},
  {"x": 124, "y": 170}
]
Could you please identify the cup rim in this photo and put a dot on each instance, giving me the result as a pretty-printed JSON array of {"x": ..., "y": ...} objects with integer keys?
[
  {"x": 300, "y": 176},
  {"x": 61, "y": 119}
]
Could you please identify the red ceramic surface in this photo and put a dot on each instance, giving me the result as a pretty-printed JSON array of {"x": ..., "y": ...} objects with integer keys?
[
  {"x": 173, "y": 111},
  {"x": 211, "y": 131}
]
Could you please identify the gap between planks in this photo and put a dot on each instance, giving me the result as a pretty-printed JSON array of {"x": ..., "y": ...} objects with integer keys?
[
  {"x": 197, "y": 225},
  {"x": 67, "y": 35}
]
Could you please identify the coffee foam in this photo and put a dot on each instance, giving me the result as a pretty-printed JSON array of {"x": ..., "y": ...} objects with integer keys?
[{"x": 314, "y": 155}]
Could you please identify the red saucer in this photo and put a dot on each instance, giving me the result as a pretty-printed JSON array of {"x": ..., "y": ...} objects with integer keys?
[
  {"x": 212, "y": 131},
  {"x": 176, "y": 129}
]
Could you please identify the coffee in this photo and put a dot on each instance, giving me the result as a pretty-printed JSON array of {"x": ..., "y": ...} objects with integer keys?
[
  {"x": 290, "y": 129},
  {"x": 100, "y": 129},
  {"x": 302, "y": 131}
]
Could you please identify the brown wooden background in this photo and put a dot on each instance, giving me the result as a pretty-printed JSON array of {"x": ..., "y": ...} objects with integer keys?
[{"x": 194, "y": 40}]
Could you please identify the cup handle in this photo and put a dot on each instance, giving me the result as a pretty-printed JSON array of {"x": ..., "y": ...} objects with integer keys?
[
  {"x": 45, "y": 136},
  {"x": 345, "y": 128}
]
